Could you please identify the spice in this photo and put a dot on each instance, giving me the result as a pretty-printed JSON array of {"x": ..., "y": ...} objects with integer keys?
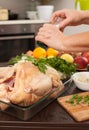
[{"x": 77, "y": 99}]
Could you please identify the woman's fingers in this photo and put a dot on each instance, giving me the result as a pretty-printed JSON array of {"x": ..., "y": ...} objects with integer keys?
[{"x": 56, "y": 15}]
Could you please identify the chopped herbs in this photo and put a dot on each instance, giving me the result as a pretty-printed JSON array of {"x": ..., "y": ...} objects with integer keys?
[
  {"x": 56, "y": 62},
  {"x": 15, "y": 60},
  {"x": 78, "y": 99}
]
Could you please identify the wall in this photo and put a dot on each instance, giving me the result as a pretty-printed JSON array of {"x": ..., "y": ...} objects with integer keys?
[
  {"x": 60, "y": 4},
  {"x": 21, "y": 6},
  {"x": 17, "y": 6}
]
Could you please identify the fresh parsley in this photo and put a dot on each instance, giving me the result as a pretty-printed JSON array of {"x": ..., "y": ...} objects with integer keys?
[
  {"x": 78, "y": 99},
  {"x": 56, "y": 62}
]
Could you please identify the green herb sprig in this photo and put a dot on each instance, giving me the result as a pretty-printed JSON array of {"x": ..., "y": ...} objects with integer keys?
[
  {"x": 56, "y": 62},
  {"x": 78, "y": 99}
]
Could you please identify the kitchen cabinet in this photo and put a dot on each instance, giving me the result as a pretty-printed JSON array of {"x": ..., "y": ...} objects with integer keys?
[{"x": 17, "y": 36}]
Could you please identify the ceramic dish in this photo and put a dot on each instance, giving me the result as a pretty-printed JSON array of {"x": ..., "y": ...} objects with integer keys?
[
  {"x": 81, "y": 80},
  {"x": 25, "y": 113}
]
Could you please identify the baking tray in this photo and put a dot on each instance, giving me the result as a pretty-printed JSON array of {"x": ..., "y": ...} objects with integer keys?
[{"x": 25, "y": 113}]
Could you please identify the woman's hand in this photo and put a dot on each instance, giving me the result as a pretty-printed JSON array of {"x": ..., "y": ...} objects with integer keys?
[
  {"x": 51, "y": 36},
  {"x": 69, "y": 17}
]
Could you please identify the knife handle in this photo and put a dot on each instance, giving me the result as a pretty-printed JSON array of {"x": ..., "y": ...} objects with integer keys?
[{"x": 41, "y": 44}]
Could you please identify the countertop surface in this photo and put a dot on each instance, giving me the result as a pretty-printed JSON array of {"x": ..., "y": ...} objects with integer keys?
[
  {"x": 11, "y": 22},
  {"x": 52, "y": 117}
]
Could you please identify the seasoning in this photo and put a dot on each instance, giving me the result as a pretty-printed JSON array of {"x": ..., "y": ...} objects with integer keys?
[
  {"x": 77, "y": 99},
  {"x": 83, "y": 79}
]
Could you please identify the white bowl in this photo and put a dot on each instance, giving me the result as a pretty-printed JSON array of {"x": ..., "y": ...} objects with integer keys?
[{"x": 81, "y": 80}]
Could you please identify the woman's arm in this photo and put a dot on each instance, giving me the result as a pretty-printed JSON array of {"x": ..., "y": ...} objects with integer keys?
[
  {"x": 70, "y": 17},
  {"x": 76, "y": 42},
  {"x": 53, "y": 37}
]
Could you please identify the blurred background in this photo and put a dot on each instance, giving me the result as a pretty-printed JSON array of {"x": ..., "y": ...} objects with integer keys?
[{"x": 21, "y": 6}]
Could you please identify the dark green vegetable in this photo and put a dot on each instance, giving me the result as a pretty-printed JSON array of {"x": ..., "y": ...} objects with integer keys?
[
  {"x": 15, "y": 60},
  {"x": 77, "y": 99},
  {"x": 41, "y": 45},
  {"x": 55, "y": 62},
  {"x": 86, "y": 99}
]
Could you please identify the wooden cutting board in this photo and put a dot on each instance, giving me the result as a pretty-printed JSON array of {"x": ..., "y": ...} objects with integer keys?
[{"x": 80, "y": 112}]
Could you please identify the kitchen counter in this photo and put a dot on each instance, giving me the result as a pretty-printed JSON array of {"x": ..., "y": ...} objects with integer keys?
[
  {"x": 11, "y": 22},
  {"x": 52, "y": 117},
  {"x": 31, "y": 26}
]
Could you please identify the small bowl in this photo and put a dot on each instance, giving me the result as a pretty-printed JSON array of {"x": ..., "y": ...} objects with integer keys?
[{"x": 81, "y": 80}]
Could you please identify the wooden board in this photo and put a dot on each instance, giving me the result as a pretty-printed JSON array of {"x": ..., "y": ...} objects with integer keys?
[{"x": 80, "y": 112}]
